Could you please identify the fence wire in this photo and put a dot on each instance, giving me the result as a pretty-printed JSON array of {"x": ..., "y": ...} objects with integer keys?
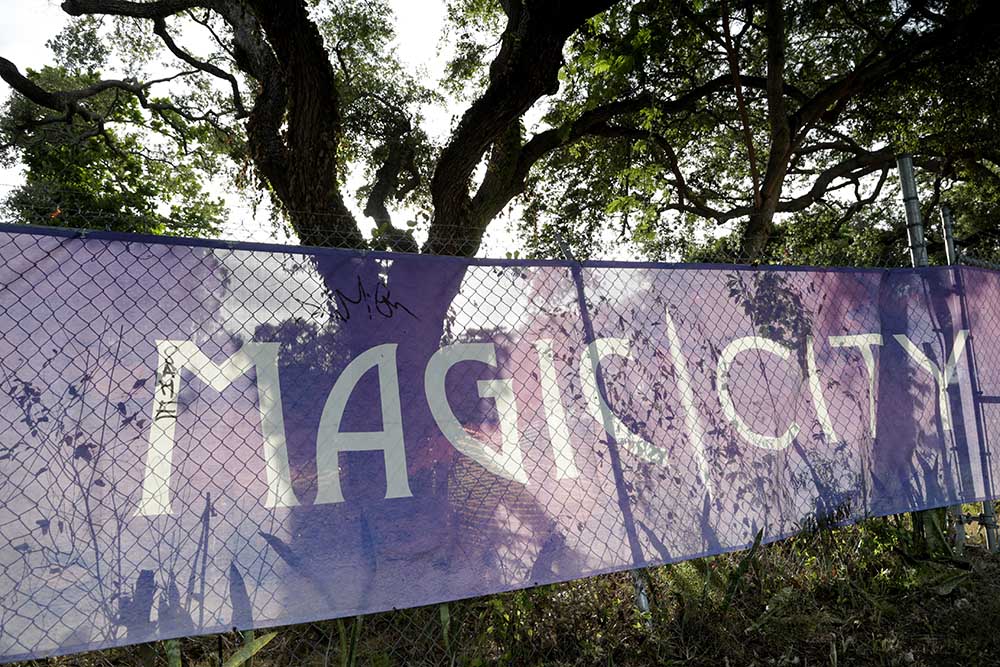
[{"x": 69, "y": 402}]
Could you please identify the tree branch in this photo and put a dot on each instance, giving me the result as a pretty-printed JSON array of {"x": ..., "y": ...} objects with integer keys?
[
  {"x": 139, "y": 10},
  {"x": 160, "y": 29},
  {"x": 734, "y": 67},
  {"x": 31, "y": 90},
  {"x": 399, "y": 158},
  {"x": 312, "y": 123},
  {"x": 780, "y": 143},
  {"x": 981, "y": 23},
  {"x": 525, "y": 69}
]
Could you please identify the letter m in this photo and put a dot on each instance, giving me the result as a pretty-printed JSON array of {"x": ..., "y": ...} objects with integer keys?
[{"x": 173, "y": 356}]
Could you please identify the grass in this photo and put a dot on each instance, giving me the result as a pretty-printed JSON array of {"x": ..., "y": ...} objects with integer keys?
[{"x": 848, "y": 596}]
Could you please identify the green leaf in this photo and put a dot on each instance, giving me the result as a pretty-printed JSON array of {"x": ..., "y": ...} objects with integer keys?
[
  {"x": 172, "y": 647},
  {"x": 248, "y": 651},
  {"x": 741, "y": 570},
  {"x": 445, "y": 626}
]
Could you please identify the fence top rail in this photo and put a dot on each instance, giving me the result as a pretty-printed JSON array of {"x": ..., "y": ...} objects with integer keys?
[{"x": 294, "y": 249}]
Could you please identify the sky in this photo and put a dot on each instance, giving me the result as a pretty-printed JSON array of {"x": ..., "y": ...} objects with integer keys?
[{"x": 25, "y": 26}]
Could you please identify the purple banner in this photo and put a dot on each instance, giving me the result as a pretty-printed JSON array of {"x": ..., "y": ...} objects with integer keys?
[{"x": 201, "y": 436}]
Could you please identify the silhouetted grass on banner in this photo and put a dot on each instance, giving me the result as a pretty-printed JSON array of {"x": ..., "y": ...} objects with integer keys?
[{"x": 841, "y": 596}]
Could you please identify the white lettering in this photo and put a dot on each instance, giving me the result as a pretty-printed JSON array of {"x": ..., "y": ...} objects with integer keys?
[
  {"x": 864, "y": 343},
  {"x": 509, "y": 461},
  {"x": 590, "y": 362},
  {"x": 330, "y": 441},
  {"x": 816, "y": 389},
  {"x": 695, "y": 432},
  {"x": 177, "y": 355},
  {"x": 942, "y": 377},
  {"x": 555, "y": 415},
  {"x": 729, "y": 408}
]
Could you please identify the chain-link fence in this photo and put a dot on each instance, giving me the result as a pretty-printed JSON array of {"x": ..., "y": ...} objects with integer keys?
[{"x": 156, "y": 488}]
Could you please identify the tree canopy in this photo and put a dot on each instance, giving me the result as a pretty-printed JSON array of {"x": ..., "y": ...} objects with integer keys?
[
  {"x": 79, "y": 176},
  {"x": 754, "y": 129}
]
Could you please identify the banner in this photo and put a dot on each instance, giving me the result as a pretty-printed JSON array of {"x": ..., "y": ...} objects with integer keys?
[{"x": 201, "y": 436}]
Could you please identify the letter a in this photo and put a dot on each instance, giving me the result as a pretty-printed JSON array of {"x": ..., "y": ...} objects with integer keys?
[{"x": 330, "y": 442}]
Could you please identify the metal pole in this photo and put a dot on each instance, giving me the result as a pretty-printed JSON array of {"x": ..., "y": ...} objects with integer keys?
[
  {"x": 957, "y": 514},
  {"x": 918, "y": 257},
  {"x": 948, "y": 227},
  {"x": 990, "y": 523},
  {"x": 989, "y": 517},
  {"x": 641, "y": 590},
  {"x": 914, "y": 225}
]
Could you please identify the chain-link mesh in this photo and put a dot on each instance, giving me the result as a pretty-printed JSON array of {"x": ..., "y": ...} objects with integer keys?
[{"x": 111, "y": 535}]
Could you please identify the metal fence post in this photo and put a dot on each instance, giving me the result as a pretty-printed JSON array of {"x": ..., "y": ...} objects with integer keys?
[
  {"x": 988, "y": 518},
  {"x": 641, "y": 589},
  {"x": 948, "y": 228},
  {"x": 918, "y": 257},
  {"x": 914, "y": 225},
  {"x": 957, "y": 513}
]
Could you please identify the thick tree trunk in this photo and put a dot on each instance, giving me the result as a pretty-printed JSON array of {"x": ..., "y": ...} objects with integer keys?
[
  {"x": 296, "y": 143},
  {"x": 761, "y": 221},
  {"x": 526, "y": 68}
]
